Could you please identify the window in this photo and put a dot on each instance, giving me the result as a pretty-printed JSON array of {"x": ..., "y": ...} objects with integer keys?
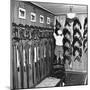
[
  {"x": 48, "y": 20},
  {"x": 22, "y": 13},
  {"x": 41, "y": 19},
  {"x": 33, "y": 17}
]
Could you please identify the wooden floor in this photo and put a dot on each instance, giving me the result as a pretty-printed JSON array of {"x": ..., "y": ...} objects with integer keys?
[{"x": 70, "y": 79}]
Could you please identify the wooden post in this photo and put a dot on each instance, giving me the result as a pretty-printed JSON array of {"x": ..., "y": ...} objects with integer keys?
[
  {"x": 14, "y": 68},
  {"x": 21, "y": 65},
  {"x": 30, "y": 69}
]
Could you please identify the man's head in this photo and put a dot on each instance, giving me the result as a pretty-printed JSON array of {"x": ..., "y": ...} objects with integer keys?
[{"x": 59, "y": 32}]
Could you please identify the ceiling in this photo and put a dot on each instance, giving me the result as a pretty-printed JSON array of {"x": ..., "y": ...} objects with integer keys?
[{"x": 59, "y": 8}]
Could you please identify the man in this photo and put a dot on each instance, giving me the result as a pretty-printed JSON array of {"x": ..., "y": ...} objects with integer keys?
[{"x": 59, "y": 42}]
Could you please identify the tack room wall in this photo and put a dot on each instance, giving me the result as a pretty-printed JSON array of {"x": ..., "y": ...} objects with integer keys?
[{"x": 29, "y": 7}]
